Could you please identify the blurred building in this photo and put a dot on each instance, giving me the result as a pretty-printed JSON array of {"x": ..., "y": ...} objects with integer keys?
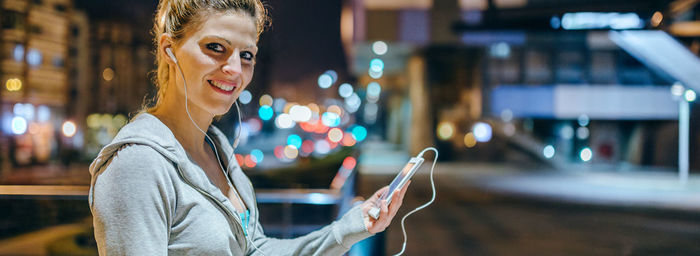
[
  {"x": 34, "y": 43},
  {"x": 544, "y": 76}
]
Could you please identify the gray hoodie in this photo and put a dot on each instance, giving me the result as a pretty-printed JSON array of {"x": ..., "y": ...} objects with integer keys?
[{"x": 148, "y": 197}]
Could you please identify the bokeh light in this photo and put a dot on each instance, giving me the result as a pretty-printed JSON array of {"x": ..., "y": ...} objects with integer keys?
[
  {"x": 376, "y": 65},
  {"x": 291, "y": 152},
  {"x": 583, "y": 120},
  {"x": 349, "y": 163},
  {"x": 265, "y": 112},
  {"x": 300, "y": 113},
  {"x": 19, "y": 125},
  {"x": 690, "y": 95},
  {"x": 548, "y": 151},
  {"x": 294, "y": 140},
  {"x": 265, "y": 100},
  {"x": 258, "y": 155},
  {"x": 325, "y": 81},
  {"x": 469, "y": 140},
  {"x": 322, "y": 147},
  {"x": 245, "y": 97},
  {"x": 335, "y": 135},
  {"x": 345, "y": 90},
  {"x": 482, "y": 132},
  {"x": 586, "y": 154},
  {"x": 445, "y": 130},
  {"x": 284, "y": 121},
  {"x": 69, "y": 129},
  {"x": 330, "y": 119},
  {"x": 307, "y": 146},
  {"x": 380, "y": 48},
  {"x": 359, "y": 132}
]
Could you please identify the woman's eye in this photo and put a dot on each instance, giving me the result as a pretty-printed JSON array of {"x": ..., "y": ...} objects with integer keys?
[
  {"x": 247, "y": 56},
  {"x": 216, "y": 47}
]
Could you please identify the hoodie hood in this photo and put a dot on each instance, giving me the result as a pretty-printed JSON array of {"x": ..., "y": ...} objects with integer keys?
[{"x": 144, "y": 129}]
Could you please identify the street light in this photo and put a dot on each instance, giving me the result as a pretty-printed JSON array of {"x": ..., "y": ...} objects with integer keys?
[{"x": 684, "y": 96}]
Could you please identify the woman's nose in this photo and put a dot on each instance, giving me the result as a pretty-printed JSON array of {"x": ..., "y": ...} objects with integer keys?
[{"x": 233, "y": 65}]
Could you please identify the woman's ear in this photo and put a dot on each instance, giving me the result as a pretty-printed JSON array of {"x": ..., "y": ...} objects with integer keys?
[{"x": 165, "y": 43}]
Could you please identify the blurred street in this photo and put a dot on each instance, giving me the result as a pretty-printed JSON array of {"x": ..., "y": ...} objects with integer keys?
[{"x": 500, "y": 210}]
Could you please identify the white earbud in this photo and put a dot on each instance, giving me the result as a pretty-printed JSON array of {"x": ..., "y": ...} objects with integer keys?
[{"x": 170, "y": 53}]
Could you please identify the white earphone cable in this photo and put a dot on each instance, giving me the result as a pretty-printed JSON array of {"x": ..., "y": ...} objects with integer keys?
[{"x": 432, "y": 185}]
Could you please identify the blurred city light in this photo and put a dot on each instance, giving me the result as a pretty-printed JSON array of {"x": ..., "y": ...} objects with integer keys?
[
  {"x": 19, "y": 125},
  {"x": 322, "y": 147},
  {"x": 300, "y": 113},
  {"x": 279, "y": 105},
  {"x": 469, "y": 140},
  {"x": 548, "y": 151},
  {"x": 69, "y": 129},
  {"x": 254, "y": 125},
  {"x": 500, "y": 50},
  {"x": 332, "y": 74},
  {"x": 325, "y": 81},
  {"x": 345, "y": 90},
  {"x": 258, "y": 155},
  {"x": 555, "y": 22},
  {"x": 348, "y": 140},
  {"x": 482, "y": 132},
  {"x": 600, "y": 20},
  {"x": 291, "y": 152},
  {"x": 375, "y": 74},
  {"x": 34, "y": 57},
  {"x": 359, "y": 132},
  {"x": 586, "y": 154},
  {"x": 349, "y": 163},
  {"x": 445, "y": 130},
  {"x": 43, "y": 113},
  {"x": 353, "y": 102},
  {"x": 507, "y": 115},
  {"x": 335, "y": 135},
  {"x": 330, "y": 119},
  {"x": 373, "y": 91},
  {"x": 566, "y": 132},
  {"x": 279, "y": 152},
  {"x": 371, "y": 112},
  {"x": 582, "y": 133},
  {"x": 307, "y": 146},
  {"x": 265, "y": 112},
  {"x": 509, "y": 129},
  {"x": 249, "y": 161},
  {"x": 583, "y": 120},
  {"x": 18, "y": 53},
  {"x": 284, "y": 121},
  {"x": 294, "y": 140},
  {"x": 108, "y": 74},
  {"x": 376, "y": 65},
  {"x": 13, "y": 84},
  {"x": 677, "y": 89},
  {"x": 656, "y": 19},
  {"x": 380, "y": 48},
  {"x": 265, "y": 100},
  {"x": 335, "y": 109},
  {"x": 245, "y": 97},
  {"x": 690, "y": 95}
]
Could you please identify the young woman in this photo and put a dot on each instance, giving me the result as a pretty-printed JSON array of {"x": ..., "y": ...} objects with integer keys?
[{"x": 165, "y": 186}]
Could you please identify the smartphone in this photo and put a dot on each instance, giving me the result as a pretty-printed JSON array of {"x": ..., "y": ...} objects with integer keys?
[{"x": 404, "y": 176}]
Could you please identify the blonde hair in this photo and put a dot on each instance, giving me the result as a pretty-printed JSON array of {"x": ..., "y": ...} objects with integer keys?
[{"x": 177, "y": 17}]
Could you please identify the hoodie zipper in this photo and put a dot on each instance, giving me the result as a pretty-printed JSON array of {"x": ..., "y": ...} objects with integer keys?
[{"x": 221, "y": 205}]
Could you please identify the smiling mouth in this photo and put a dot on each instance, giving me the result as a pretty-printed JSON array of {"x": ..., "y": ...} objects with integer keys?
[{"x": 227, "y": 89}]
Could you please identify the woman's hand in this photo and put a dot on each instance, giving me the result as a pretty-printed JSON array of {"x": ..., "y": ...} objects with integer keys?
[{"x": 386, "y": 213}]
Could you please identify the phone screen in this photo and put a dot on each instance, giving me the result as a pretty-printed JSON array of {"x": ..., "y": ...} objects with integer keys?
[{"x": 394, "y": 184}]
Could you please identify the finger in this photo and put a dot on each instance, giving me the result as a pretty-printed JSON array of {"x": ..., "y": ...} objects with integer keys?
[
  {"x": 380, "y": 192},
  {"x": 397, "y": 199}
]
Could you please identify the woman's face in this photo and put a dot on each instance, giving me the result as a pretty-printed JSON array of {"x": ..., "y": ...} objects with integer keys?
[{"x": 217, "y": 60}]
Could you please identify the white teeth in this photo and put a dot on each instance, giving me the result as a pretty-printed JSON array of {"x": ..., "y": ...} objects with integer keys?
[{"x": 221, "y": 86}]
